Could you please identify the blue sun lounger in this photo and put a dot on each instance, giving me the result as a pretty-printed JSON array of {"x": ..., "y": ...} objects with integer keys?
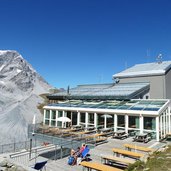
[{"x": 85, "y": 153}]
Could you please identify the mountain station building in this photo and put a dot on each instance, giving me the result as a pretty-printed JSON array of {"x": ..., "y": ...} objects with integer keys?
[{"x": 138, "y": 101}]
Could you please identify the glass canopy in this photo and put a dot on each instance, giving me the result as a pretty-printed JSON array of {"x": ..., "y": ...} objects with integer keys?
[{"x": 140, "y": 105}]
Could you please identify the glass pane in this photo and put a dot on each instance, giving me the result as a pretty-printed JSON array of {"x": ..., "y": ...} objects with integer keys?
[
  {"x": 100, "y": 121},
  {"x": 60, "y": 114},
  {"x": 47, "y": 115},
  {"x": 149, "y": 123},
  {"x": 91, "y": 118},
  {"x": 46, "y": 122},
  {"x": 121, "y": 121},
  {"x": 133, "y": 122},
  {"x": 53, "y": 123},
  {"x": 82, "y": 117},
  {"x": 74, "y": 118},
  {"x": 53, "y": 114}
]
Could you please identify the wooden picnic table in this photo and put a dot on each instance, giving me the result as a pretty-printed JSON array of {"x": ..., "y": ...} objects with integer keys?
[
  {"x": 117, "y": 159},
  {"x": 128, "y": 153},
  {"x": 98, "y": 166},
  {"x": 140, "y": 148}
]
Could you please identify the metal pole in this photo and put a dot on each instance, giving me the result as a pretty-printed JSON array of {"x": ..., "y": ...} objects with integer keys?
[{"x": 30, "y": 148}]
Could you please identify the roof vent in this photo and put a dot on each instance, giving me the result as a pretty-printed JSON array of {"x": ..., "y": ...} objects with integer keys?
[
  {"x": 116, "y": 80},
  {"x": 159, "y": 58}
]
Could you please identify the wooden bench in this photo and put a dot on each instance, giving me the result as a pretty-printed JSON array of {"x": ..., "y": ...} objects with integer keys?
[
  {"x": 117, "y": 160},
  {"x": 128, "y": 153},
  {"x": 98, "y": 166},
  {"x": 97, "y": 140},
  {"x": 135, "y": 147}
]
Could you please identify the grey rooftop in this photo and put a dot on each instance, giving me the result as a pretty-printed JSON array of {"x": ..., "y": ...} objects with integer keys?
[
  {"x": 147, "y": 69},
  {"x": 103, "y": 91}
]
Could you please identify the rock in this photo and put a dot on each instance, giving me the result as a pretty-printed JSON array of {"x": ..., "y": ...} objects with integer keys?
[
  {"x": 9, "y": 165},
  {"x": 13, "y": 168},
  {"x": 3, "y": 163},
  {"x": 158, "y": 158},
  {"x": 19, "y": 168},
  {"x": 146, "y": 169}
]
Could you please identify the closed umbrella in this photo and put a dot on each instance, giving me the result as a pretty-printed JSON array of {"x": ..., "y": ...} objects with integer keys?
[{"x": 34, "y": 122}]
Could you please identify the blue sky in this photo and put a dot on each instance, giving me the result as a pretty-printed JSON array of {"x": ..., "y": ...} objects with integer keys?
[{"x": 71, "y": 42}]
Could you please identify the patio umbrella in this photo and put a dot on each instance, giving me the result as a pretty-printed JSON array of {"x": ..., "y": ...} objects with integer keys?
[
  {"x": 105, "y": 116},
  {"x": 63, "y": 119}
]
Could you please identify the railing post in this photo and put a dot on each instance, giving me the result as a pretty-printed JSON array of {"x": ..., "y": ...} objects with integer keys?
[
  {"x": 55, "y": 152},
  {"x": 61, "y": 152},
  {"x": 30, "y": 148}
]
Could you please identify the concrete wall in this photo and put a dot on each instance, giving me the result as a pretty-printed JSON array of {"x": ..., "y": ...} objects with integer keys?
[
  {"x": 168, "y": 85},
  {"x": 157, "y": 85}
]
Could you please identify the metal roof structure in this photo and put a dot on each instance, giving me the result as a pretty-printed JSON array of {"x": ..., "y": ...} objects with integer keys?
[
  {"x": 147, "y": 69},
  {"x": 103, "y": 91}
]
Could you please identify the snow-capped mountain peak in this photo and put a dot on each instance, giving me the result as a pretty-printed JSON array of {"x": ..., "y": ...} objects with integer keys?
[{"x": 20, "y": 87}]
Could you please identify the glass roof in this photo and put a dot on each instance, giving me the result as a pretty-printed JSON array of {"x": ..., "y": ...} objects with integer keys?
[
  {"x": 140, "y": 105},
  {"x": 103, "y": 91}
]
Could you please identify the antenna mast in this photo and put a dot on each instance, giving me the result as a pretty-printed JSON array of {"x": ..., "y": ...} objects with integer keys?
[{"x": 159, "y": 58}]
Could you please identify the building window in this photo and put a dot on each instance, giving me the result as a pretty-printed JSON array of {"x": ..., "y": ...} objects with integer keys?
[
  {"x": 74, "y": 118},
  {"x": 53, "y": 114},
  {"x": 46, "y": 122},
  {"x": 149, "y": 123},
  {"x": 133, "y": 122},
  {"x": 91, "y": 118},
  {"x": 100, "y": 121},
  {"x": 82, "y": 117},
  {"x": 53, "y": 123},
  {"x": 121, "y": 121}
]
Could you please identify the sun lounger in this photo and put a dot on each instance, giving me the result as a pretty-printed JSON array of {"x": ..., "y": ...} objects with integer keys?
[
  {"x": 135, "y": 147},
  {"x": 117, "y": 160},
  {"x": 128, "y": 153},
  {"x": 85, "y": 153},
  {"x": 98, "y": 166}
]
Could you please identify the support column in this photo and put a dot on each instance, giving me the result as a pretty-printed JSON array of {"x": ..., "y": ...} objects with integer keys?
[
  {"x": 141, "y": 123},
  {"x": 44, "y": 117},
  {"x": 86, "y": 119},
  {"x": 169, "y": 119},
  {"x": 71, "y": 118},
  {"x": 164, "y": 124},
  {"x": 157, "y": 128},
  {"x": 126, "y": 123},
  {"x": 78, "y": 118},
  {"x": 95, "y": 120},
  {"x": 115, "y": 122},
  {"x": 167, "y": 126},
  {"x": 56, "y": 118},
  {"x": 63, "y": 115},
  {"x": 50, "y": 119},
  {"x": 105, "y": 122},
  {"x": 161, "y": 126}
]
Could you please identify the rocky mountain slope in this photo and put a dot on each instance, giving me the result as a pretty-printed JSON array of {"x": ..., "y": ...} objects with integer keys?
[{"x": 20, "y": 86}]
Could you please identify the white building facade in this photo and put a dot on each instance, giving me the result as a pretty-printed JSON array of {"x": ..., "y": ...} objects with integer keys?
[{"x": 133, "y": 116}]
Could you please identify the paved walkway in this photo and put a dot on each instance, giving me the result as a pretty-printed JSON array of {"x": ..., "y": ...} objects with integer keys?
[{"x": 103, "y": 149}]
